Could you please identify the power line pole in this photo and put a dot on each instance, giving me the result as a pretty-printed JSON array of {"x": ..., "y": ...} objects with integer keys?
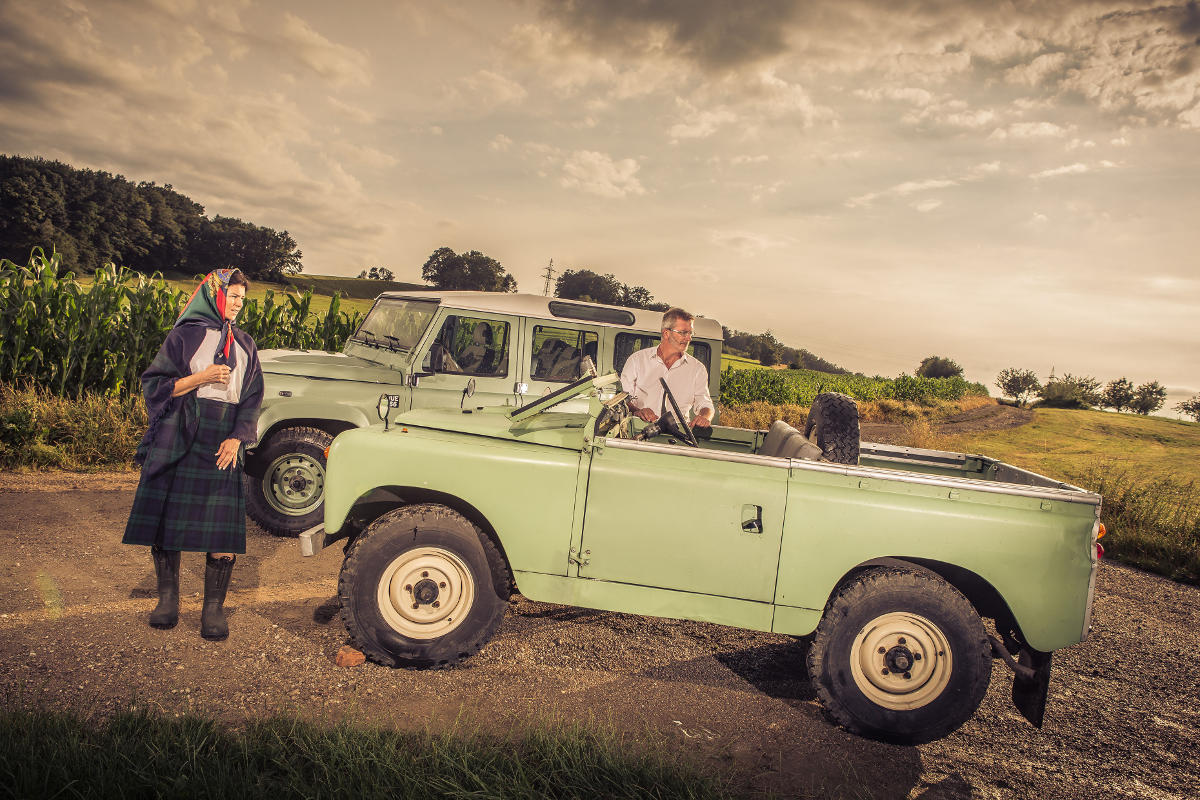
[{"x": 550, "y": 270}]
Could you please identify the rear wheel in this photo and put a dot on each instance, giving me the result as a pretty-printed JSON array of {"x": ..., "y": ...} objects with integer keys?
[
  {"x": 900, "y": 656},
  {"x": 289, "y": 497},
  {"x": 832, "y": 425},
  {"x": 422, "y": 587}
]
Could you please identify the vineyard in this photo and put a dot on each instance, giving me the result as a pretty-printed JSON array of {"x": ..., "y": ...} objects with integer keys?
[
  {"x": 800, "y": 386},
  {"x": 68, "y": 338}
]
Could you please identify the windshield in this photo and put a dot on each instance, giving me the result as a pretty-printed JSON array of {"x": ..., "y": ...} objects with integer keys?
[{"x": 395, "y": 324}]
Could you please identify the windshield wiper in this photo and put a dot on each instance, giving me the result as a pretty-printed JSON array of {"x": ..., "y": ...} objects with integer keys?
[{"x": 372, "y": 342}]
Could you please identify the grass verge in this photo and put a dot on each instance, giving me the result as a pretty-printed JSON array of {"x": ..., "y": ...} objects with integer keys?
[
  {"x": 41, "y": 430},
  {"x": 136, "y": 754},
  {"x": 1144, "y": 467}
]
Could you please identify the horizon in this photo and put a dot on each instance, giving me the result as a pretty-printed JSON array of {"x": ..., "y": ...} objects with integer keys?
[{"x": 874, "y": 183}]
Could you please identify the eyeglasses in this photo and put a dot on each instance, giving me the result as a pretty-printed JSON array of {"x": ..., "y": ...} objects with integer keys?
[{"x": 681, "y": 334}]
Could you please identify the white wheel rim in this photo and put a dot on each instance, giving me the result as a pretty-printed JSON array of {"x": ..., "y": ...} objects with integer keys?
[
  {"x": 895, "y": 640},
  {"x": 425, "y": 593}
]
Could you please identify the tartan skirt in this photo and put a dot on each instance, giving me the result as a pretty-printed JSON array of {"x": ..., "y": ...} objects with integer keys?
[{"x": 192, "y": 505}]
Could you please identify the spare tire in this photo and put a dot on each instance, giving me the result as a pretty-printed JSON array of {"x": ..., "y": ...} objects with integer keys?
[{"x": 832, "y": 425}]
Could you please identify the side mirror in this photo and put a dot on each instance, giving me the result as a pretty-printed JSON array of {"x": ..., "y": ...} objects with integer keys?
[
  {"x": 468, "y": 391},
  {"x": 384, "y": 408}
]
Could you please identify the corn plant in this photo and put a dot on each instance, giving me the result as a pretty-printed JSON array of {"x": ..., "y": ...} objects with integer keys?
[{"x": 65, "y": 338}]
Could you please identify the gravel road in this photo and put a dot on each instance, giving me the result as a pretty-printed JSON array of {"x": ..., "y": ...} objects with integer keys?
[{"x": 1123, "y": 719}]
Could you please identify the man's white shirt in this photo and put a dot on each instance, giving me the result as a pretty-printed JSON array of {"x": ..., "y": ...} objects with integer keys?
[{"x": 687, "y": 378}]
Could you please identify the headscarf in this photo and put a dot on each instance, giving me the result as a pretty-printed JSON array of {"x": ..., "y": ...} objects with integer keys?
[{"x": 206, "y": 307}]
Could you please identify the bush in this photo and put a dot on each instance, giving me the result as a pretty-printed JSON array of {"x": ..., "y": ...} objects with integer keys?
[
  {"x": 938, "y": 367},
  {"x": 1070, "y": 391},
  {"x": 1190, "y": 407},
  {"x": 1019, "y": 384},
  {"x": 40, "y": 429}
]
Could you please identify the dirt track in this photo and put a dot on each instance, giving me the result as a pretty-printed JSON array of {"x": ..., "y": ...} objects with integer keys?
[{"x": 1123, "y": 719}]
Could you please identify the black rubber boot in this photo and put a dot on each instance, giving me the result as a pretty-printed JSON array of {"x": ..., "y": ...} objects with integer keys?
[
  {"x": 216, "y": 580},
  {"x": 166, "y": 568}
]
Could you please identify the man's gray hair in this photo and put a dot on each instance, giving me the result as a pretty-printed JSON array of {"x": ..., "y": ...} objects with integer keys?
[{"x": 674, "y": 315}]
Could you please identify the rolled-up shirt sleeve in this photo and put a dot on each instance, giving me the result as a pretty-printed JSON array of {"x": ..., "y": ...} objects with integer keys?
[{"x": 701, "y": 399}]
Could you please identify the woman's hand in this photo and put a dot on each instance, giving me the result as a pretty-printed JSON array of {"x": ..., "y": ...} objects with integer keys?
[
  {"x": 214, "y": 373},
  {"x": 227, "y": 453}
]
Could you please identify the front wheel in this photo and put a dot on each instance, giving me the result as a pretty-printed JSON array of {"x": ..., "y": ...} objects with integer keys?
[
  {"x": 289, "y": 497},
  {"x": 422, "y": 587},
  {"x": 900, "y": 656}
]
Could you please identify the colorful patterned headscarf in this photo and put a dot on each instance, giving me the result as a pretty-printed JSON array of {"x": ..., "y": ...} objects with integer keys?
[{"x": 207, "y": 307}]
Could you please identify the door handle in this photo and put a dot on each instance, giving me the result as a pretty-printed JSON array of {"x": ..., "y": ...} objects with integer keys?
[{"x": 752, "y": 518}]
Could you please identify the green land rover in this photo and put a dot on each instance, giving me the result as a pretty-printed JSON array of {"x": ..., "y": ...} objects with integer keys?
[
  {"x": 889, "y": 558},
  {"x": 426, "y": 349}
]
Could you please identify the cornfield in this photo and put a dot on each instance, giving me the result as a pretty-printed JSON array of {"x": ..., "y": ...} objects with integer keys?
[
  {"x": 68, "y": 339},
  {"x": 801, "y": 386}
]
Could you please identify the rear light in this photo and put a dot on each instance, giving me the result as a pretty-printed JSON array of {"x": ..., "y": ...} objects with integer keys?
[
  {"x": 327, "y": 458},
  {"x": 1101, "y": 531},
  {"x": 1099, "y": 550}
]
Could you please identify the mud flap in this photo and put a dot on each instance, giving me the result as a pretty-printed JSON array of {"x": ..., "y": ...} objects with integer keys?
[{"x": 1029, "y": 693}]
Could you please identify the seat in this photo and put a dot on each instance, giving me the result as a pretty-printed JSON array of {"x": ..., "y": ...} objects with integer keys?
[
  {"x": 778, "y": 433},
  {"x": 798, "y": 447}
]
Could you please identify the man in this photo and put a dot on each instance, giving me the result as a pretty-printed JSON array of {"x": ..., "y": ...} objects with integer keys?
[{"x": 687, "y": 377}]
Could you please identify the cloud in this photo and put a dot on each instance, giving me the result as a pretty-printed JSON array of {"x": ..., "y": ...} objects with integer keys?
[
  {"x": 600, "y": 174},
  {"x": 1069, "y": 169},
  {"x": 713, "y": 34},
  {"x": 336, "y": 63},
  {"x": 907, "y": 188},
  {"x": 1030, "y": 130},
  {"x": 1037, "y": 71},
  {"x": 745, "y": 243},
  {"x": 486, "y": 90}
]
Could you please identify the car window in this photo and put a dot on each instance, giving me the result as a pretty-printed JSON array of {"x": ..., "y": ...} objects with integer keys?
[
  {"x": 472, "y": 346},
  {"x": 397, "y": 323},
  {"x": 629, "y": 343},
  {"x": 558, "y": 353}
]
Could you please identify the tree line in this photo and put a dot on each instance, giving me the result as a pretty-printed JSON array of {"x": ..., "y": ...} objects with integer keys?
[
  {"x": 1081, "y": 391},
  {"x": 93, "y": 217}
]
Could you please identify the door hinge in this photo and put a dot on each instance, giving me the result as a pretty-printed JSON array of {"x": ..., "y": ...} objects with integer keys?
[{"x": 581, "y": 559}]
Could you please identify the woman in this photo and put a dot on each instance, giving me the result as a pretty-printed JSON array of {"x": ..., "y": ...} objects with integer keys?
[{"x": 203, "y": 390}]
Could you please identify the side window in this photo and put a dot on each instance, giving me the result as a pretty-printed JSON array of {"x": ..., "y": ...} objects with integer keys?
[
  {"x": 558, "y": 353},
  {"x": 629, "y": 343},
  {"x": 472, "y": 346}
]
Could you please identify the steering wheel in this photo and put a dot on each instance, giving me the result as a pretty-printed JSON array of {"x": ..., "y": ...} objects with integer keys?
[{"x": 672, "y": 422}]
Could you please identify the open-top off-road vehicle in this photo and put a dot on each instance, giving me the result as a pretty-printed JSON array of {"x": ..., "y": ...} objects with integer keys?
[{"x": 888, "y": 557}]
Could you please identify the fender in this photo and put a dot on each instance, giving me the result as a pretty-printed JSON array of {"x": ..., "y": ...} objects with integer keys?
[{"x": 274, "y": 415}]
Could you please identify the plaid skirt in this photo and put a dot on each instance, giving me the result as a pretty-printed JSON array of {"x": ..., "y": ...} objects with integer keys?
[{"x": 192, "y": 505}]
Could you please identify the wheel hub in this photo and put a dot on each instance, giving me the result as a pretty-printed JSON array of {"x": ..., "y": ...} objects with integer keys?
[
  {"x": 901, "y": 661},
  {"x": 425, "y": 593},
  {"x": 294, "y": 484}
]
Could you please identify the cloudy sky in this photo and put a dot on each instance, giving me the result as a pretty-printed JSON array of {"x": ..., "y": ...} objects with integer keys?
[{"x": 1003, "y": 183}]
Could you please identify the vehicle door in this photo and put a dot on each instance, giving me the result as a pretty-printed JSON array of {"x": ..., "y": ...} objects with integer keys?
[
  {"x": 554, "y": 357},
  {"x": 467, "y": 345},
  {"x": 682, "y": 518}
]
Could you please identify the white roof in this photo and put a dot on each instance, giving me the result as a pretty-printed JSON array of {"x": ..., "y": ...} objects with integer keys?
[{"x": 538, "y": 306}]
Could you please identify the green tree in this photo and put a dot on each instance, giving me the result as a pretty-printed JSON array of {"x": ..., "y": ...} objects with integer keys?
[
  {"x": 1190, "y": 407},
  {"x": 1117, "y": 395},
  {"x": 1148, "y": 398},
  {"x": 378, "y": 274},
  {"x": 583, "y": 284},
  {"x": 938, "y": 367},
  {"x": 1019, "y": 384},
  {"x": 472, "y": 270}
]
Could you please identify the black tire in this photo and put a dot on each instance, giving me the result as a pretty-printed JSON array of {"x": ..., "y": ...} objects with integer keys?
[
  {"x": 424, "y": 555},
  {"x": 924, "y": 625},
  {"x": 289, "y": 497},
  {"x": 832, "y": 425}
]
